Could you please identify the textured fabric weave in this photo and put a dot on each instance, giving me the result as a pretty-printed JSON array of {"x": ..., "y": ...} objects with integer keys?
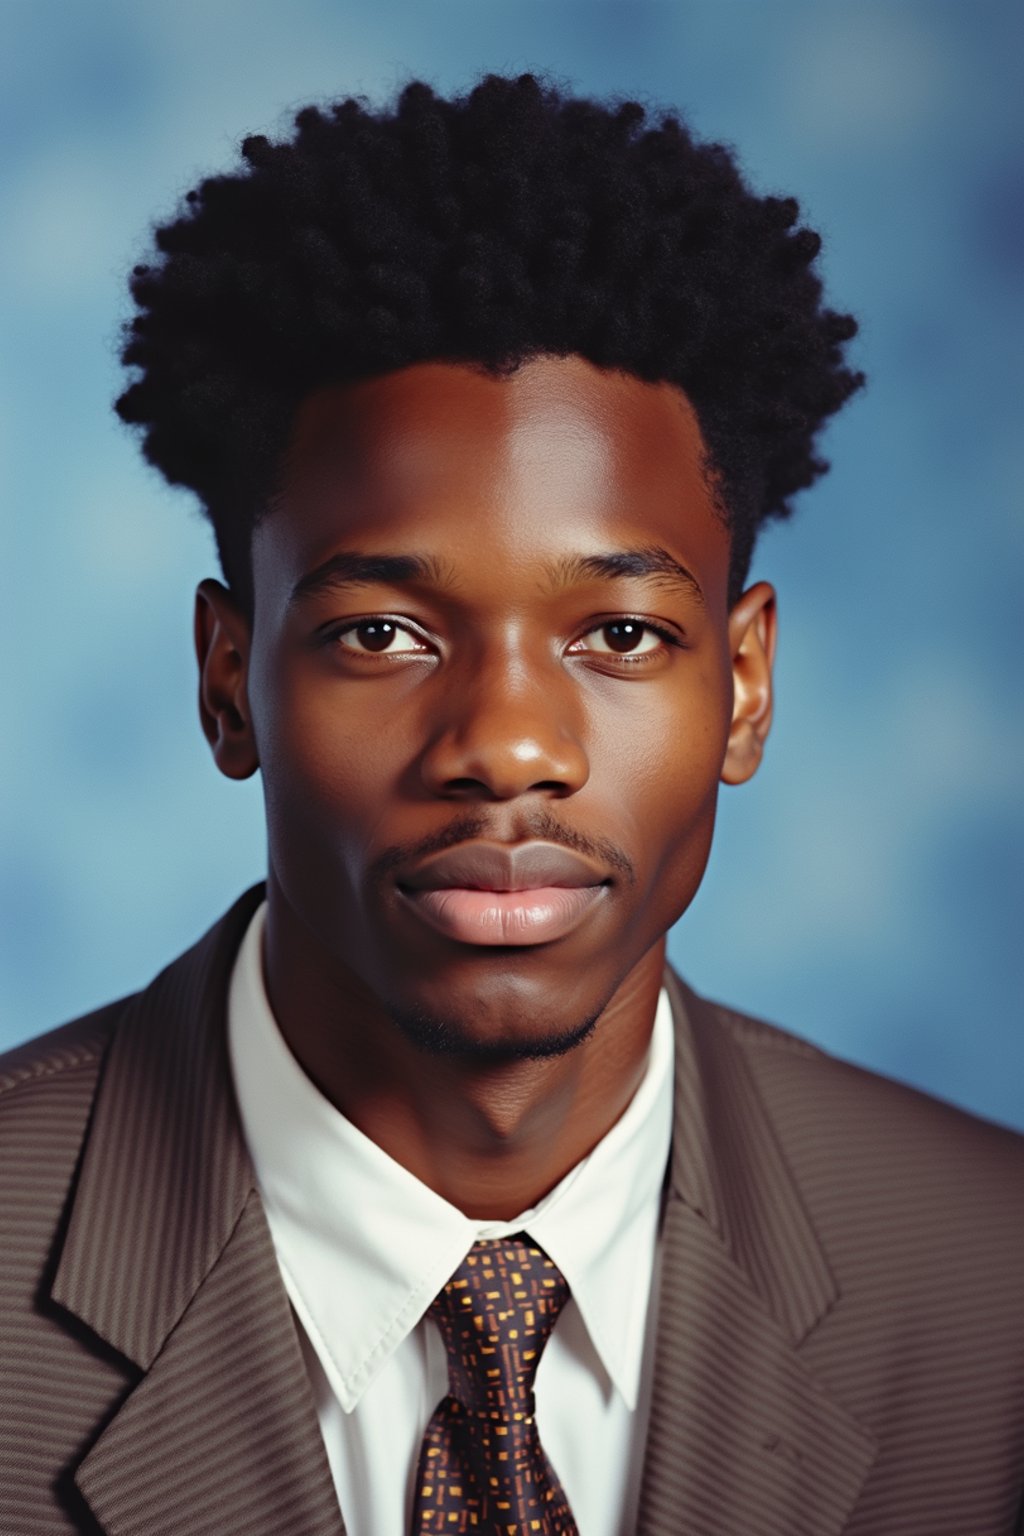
[{"x": 482, "y": 1467}]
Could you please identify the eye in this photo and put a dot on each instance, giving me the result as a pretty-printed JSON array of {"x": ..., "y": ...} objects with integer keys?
[
  {"x": 625, "y": 637},
  {"x": 373, "y": 637}
]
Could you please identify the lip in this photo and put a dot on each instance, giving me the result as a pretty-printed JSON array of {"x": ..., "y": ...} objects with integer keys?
[
  {"x": 501, "y": 894},
  {"x": 484, "y": 866},
  {"x": 535, "y": 916}
]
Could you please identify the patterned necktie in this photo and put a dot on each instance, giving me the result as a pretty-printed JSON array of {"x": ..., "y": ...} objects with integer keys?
[{"x": 482, "y": 1469}]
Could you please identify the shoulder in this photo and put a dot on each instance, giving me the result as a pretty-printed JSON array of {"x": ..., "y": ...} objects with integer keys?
[
  {"x": 814, "y": 1089},
  {"x": 73, "y": 1048},
  {"x": 64, "y": 1058},
  {"x": 880, "y": 1158},
  {"x": 47, "y": 1086},
  {"x": 47, "y": 1092}
]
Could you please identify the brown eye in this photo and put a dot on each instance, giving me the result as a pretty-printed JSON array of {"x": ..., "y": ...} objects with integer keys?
[
  {"x": 624, "y": 637},
  {"x": 373, "y": 636},
  {"x": 376, "y": 636}
]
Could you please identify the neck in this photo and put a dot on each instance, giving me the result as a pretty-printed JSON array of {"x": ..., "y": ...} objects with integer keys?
[{"x": 492, "y": 1138}]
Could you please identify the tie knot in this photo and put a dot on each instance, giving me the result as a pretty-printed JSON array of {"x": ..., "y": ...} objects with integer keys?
[{"x": 495, "y": 1315}]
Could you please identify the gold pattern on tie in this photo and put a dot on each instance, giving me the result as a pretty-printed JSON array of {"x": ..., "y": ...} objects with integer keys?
[{"x": 482, "y": 1468}]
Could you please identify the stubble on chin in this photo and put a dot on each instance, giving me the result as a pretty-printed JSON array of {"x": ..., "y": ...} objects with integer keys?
[{"x": 446, "y": 1035}]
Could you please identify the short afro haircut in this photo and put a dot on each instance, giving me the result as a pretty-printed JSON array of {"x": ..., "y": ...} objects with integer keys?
[{"x": 514, "y": 220}]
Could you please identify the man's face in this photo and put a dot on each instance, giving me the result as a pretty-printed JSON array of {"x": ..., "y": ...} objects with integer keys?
[{"x": 492, "y": 613}]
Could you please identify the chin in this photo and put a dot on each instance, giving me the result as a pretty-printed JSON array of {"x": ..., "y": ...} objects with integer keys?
[{"x": 467, "y": 1035}]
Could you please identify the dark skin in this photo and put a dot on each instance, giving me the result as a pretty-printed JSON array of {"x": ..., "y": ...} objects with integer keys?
[{"x": 517, "y": 684}]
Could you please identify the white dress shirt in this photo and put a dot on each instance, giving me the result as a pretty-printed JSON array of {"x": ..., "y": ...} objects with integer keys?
[{"x": 364, "y": 1247}]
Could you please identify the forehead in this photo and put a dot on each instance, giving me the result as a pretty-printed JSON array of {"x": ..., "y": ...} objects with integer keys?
[{"x": 559, "y": 457}]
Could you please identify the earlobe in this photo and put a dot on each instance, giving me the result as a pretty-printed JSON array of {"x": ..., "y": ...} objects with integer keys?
[
  {"x": 222, "y": 641},
  {"x": 752, "y": 631}
]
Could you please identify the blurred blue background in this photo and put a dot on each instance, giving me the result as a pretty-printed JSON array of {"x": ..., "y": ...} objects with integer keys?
[{"x": 866, "y": 889}]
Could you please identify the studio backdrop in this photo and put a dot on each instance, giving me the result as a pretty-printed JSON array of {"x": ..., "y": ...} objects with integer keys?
[{"x": 866, "y": 889}]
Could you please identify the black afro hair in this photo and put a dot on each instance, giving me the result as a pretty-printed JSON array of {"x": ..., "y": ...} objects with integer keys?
[{"x": 514, "y": 220}]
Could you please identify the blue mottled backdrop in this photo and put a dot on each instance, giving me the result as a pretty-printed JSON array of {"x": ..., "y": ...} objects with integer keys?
[{"x": 866, "y": 889}]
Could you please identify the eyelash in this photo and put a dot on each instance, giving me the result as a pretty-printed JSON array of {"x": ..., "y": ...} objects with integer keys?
[{"x": 625, "y": 658}]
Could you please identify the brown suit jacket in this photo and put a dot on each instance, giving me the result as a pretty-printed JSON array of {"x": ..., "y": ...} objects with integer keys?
[{"x": 841, "y": 1335}]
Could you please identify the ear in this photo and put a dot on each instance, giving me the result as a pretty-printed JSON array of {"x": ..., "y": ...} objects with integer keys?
[
  {"x": 223, "y": 639},
  {"x": 752, "y": 643}
]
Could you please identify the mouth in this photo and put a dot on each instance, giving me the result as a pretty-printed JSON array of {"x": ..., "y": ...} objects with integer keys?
[{"x": 497, "y": 894}]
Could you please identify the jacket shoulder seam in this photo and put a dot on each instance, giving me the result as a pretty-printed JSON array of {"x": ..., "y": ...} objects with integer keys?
[
  {"x": 751, "y": 1031},
  {"x": 22, "y": 1076}
]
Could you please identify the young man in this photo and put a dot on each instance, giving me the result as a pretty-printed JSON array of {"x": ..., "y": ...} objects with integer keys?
[{"x": 486, "y": 400}]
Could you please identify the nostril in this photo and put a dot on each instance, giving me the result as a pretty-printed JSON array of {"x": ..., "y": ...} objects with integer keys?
[
  {"x": 494, "y": 764},
  {"x": 477, "y": 788}
]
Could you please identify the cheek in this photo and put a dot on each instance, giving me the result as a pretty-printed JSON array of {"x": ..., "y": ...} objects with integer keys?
[
  {"x": 331, "y": 758},
  {"x": 659, "y": 771},
  {"x": 663, "y": 746}
]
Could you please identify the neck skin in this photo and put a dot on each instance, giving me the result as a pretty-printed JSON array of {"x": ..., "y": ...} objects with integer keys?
[{"x": 492, "y": 1139}]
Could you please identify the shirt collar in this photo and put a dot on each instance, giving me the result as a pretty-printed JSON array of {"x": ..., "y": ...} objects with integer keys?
[{"x": 365, "y": 1246}]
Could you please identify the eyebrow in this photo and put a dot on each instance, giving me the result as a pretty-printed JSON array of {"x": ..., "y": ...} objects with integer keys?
[
  {"x": 354, "y": 570},
  {"x": 350, "y": 569},
  {"x": 648, "y": 562}
]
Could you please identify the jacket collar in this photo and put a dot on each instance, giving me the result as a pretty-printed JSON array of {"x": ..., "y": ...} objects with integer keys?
[{"x": 168, "y": 1259}]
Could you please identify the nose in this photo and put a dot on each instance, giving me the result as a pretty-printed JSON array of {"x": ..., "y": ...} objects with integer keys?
[{"x": 503, "y": 732}]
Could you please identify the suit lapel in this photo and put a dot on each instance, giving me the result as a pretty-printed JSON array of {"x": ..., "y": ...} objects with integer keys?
[
  {"x": 168, "y": 1259},
  {"x": 742, "y": 1437},
  {"x": 221, "y": 1433}
]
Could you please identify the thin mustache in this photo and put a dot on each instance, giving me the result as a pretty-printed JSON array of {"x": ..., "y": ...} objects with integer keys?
[{"x": 544, "y": 828}]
